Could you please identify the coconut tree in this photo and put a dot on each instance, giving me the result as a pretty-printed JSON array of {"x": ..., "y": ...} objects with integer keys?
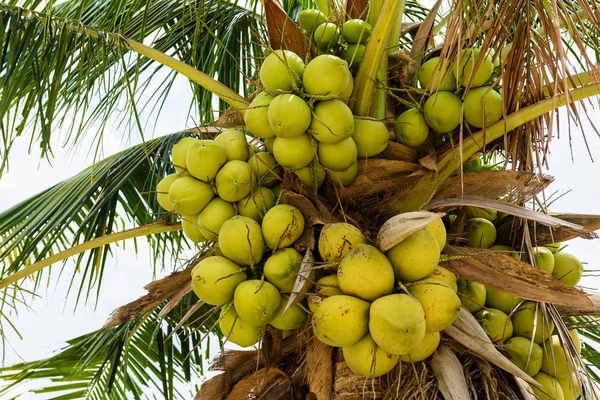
[{"x": 74, "y": 64}]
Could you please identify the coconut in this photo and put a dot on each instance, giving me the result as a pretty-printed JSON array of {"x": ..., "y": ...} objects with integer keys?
[
  {"x": 326, "y": 36},
  {"x": 411, "y": 128},
  {"x": 326, "y": 75},
  {"x": 555, "y": 361},
  {"x": 550, "y": 389},
  {"x": 570, "y": 387},
  {"x": 473, "y": 165},
  {"x": 279, "y": 194},
  {"x": 325, "y": 287},
  {"x": 237, "y": 331},
  {"x": 530, "y": 322},
  {"x": 496, "y": 324},
  {"x": 309, "y": 19},
  {"x": 204, "y": 159},
  {"x": 215, "y": 278},
  {"x": 257, "y": 204},
  {"x": 483, "y": 107},
  {"x": 438, "y": 230},
  {"x": 480, "y": 233},
  {"x": 282, "y": 226},
  {"x": 269, "y": 142},
  {"x": 256, "y": 116},
  {"x": 265, "y": 168},
  {"x": 241, "y": 240},
  {"x": 332, "y": 122},
  {"x": 576, "y": 340},
  {"x": 344, "y": 178},
  {"x": 465, "y": 71},
  {"x": 294, "y": 153},
  {"x": 365, "y": 272},
  {"x": 162, "y": 191},
  {"x": 347, "y": 92},
  {"x": 235, "y": 181},
  {"x": 415, "y": 257},
  {"x": 371, "y": 137},
  {"x": 445, "y": 276},
  {"x": 544, "y": 259},
  {"x": 553, "y": 247},
  {"x": 356, "y": 31},
  {"x": 235, "y": 144},
  {"x": 367, "y": 359},
  {"x": 341, "y": 320},
  {"x": 338, "y": 156},
  {"x": 179, "y": 154},
  {"x": 507, "y": 250},
  {"x": 191, "y": 229},
  {"x": 312, "y": 176},
  {"x": 442, "y": 111},
  {"x": 476, "y": 212},
  {"x": 567, "y": 268},
  {"x": 293, "y": 318},
  {"x": 337, "y": 240},
  {"x": 281, "y": 70},
  {"x": 214, "y": 215},
  {"x": 440, "y": 303},
  {"x": 502, "y": 301},
  {"x": 189, "y": 196},
  {"x": 472, "y": 295},
  {"x": 289, "y": 116},
  {"x": 354, "y": 54},
  {"x": 436, "y": 76},
  {"x": 427, "y": 347},
  {"x": 256, "y": 302},
  {"x": 524, "y": 354},
  {"x": 397, "y": 323},
  {"x": 282, "y": 268}
]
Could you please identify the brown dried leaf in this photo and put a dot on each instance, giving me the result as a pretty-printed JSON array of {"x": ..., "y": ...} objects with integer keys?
[
  {"x": 319, "y": 368},
  {"x": 567, "y": 310},
  {"x": 430, "y": 160},
  {"x": 399, "y": 152},
  {"x": 423, "y": 36},
  {"x": 449, "y": 374},
  {"x": 283, "y": 32},
  {"x": 258, "y": 383},
  {"x": 304, "y": 280},
  {"x": 357, "y": 9},
  {"x": 398, "y": 228},
  {"x": 215, "y": 388},
  {"x": 271, "y": 346},
  {"x": 231, "y": 118},
  {"x": 308, "y": 209},
  {"x": 306, "y": 241},
  {"x": 176, "y": 299}
]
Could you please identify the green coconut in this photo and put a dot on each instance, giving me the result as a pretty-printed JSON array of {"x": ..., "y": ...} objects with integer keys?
[
  {"x": 544, "y": 259},
  {"x": 440, "y": 303},
  {"x": 483, "y": 107},
  {"x": 367, "y": 359},
  {"x": 530, "y": 322},
  {"x": 341, "y": 320},
  {"x": 550, "y": 389},
  {"x": 338, "y": 156},
  {"x": 496, "y": 324},
  {"x": 237, "y": 331},
  {"x": 337, "y": 240},
  {"x": 354, "y": 54},
  {"x": 257, "y": 204},
  {"x": 411, "y": 128},
  {"x": 281, "y": 70},
  {"x": 282, "y": 268},
  {"x": 332, "y": 122},
  {"x": 326, "y": 75},
  {"x": 282, "y": 226},
  {"x": 356, "y": 31},
  {"x": 344, "y": 178},
  {"x": 365, "y": 272},
  {"x": 465, "y": 71},
  {"x": 371, "y": 137},
  {"x": 553, "y": 247},
  {"x": 189, "y": 196},
  {"x": 279, "y": 194},
  {"x": 235, "y": 181},
  {"x": 191, "y": 229},
  {"x": 502, "y": 301},
  {"x": 241, "y": 240},
  {"x": 555, "y": 361},
  {"x": 442, "y": 111},
  {"x": 435, "y": 76},
  {"x": 214, "y": 215},
  {"x": 524, "y": 354},
  {"x": 438, "y": 230},
  {"x": 473, "y": 165},
  {"x": 397, "y": 323},
  {"x": 179, "y": 154},
  {"x": 427, "y": 347},
  {"x": 256, "y": 116},
  {"x": 347, "y": 92},
  {"x": 567, "y": 268},
  {"x": 294, "y": 153},
  {"x": 472, "y": 294},
  {"x": 265, "y": 168},
  {"x": 289, "y": 116},
  {"x": 162, "y": 191},
  {"x": 256, "y": 302},
  {"x": 325, "y": 287},
  {"x": 312, "y": 176},
  {"x": 576, "y": 340},
  {"x": 309, "y": 19},
  {"x": 235, "y": 144},
  {"x": 570, "y": 387},
  {"x": 442, "y": 274},
  {"x": 204, "y": 159},
  {"x": 215, "y": 278},
  {"x": 269, "y": 143},
  {"x": 326, "y": 36},
  {"x": 476, "y": 212},
  {"x": 507, "y": 250},
  {"x": 480, "y": 233},
  {"x": 292, "y": 319},
  {"x": 415, "y": 257}
]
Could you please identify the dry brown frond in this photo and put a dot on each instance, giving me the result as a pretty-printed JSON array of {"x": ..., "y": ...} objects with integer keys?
[
  {"x": 283, "y": 32},
  {"x": 319, "y": 367}
]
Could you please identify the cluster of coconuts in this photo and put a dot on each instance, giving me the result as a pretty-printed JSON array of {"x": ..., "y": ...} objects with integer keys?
[{"x": 441, "y": 112}]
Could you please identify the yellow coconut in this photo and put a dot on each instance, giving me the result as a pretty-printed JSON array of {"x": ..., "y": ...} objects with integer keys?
[
  {"x": 442, "y": 274},
  {"x": 215, "y": 278},
  {"x": 469, "y": 71},
  {"x": 576, "y": 340},
  {"x": 326, "y": 75},
  {"x": 189, "y": 196},
  {"x": 312, "y": 176},
  {"x": 356, "y": 31},
  {"x": 256, "y": 116},
  {"x": 411, "y": 128},
  {"x": 292, "y": 319},
  {"x": 325, "y": 287},
  {"x": 427, "y": 347},
  {"x": 553, "y": 247},
  {"x": 529, "y": 321},
  {"x": 237, "y": 331},
  {"x": 326, "y": 36},
  {"x": 309, "y": 19},
  {"x": 434, "y": 75},
  {"x": 567, "y": 268},
  {"x": 502, "y": 301},
  {"x": 241, "y": 240},
  {"x": 235, "y": 181},
  {"x": 570, "y": 387},
  {"x": 338, "y": 156},
  {"x": 353, "y": 54},
  {"x": 289, "y": 116},
  {"x": 162, "y": 191},
  {"x": 440, "y": 303},
  {"x": 204, "y": 159},
  {"x": 269, "y": 142},
  {"x": 235, "y": 144},
  {"x": 214, "y": 215},
  {"x": 256, "y": 302},
  {"x": 191, "y": 229},
  {"x": 550, "y": 389},
  {"x": 265, "y": 168},
  {"x": 337, "y": 240},
  {"x": 365, "y": 272},
  {"x": 544, "y": 259},
  {"x": 415, "y": 257},
  {"x": 294, "y": 153},
  {"x": 347, "y": 92},
  {"x": 397, "y": 323},
  {"x": 476, "y": 212},
  {"x": 367, "y": 359},
  {"x": 496, "y": 324},
  {"x": 371, "y": 137},
  {"x": 524, "y": 354},
  {"x": 555, "y": 361},
  {"x": 341, "y": 320},
  {"x": 472, "y": 295},
  {"x": 439, "y": 232},
  {"x": 332, "y": 121},
  {"x": 483, "y": 107},
  {"x": 480, "y": 233},
  {"x": 257, "y": 204},
  {"x": 179, "y": 154},
  {"x": 442, "y": 111},
  {"x": 281, "y": 70},
  {"x": 282, "y": 226},
  {"x": 282, "y": 268},
  {"x": 344, "y": 178}
]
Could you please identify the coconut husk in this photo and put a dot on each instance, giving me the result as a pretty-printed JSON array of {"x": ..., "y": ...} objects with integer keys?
[
  {"x": 259, "y": 384},
  {"x": 319, "y": 367}
]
